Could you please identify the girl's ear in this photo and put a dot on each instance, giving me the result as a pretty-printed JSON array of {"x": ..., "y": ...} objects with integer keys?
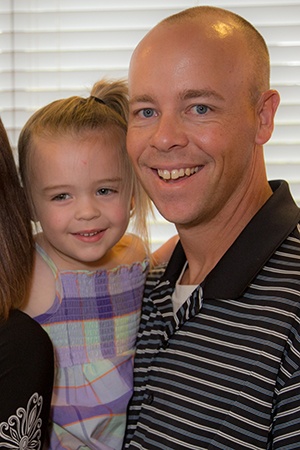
[
  {"x": 132, "y": 206},
  {"x": 267, "y": 107},
  {"x": 28, "y": 204},
  {"x": 33, "y": 214}
]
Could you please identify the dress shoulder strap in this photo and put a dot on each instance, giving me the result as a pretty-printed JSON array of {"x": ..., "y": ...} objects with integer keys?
[{"x": 47, "y": 259}]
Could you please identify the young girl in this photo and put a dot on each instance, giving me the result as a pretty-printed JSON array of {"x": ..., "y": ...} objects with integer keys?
[{"x": 89, "y": 275}]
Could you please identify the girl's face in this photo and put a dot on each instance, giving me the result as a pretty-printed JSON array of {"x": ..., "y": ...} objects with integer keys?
[{"x": 80, "y": 197}]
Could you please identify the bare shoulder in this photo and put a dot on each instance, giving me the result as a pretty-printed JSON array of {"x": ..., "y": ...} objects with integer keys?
[
  {"x": 131, "y": 248},
  {"x": 164, "y": 252},
  {"x": 42, "y": 290}
]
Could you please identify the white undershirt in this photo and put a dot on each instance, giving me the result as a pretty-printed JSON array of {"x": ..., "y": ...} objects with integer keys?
[{"x": 182, "y": 291}]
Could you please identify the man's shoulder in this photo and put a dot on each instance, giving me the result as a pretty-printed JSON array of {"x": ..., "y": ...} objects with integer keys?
[
  {"x": 292, "y": 241},
  {"x": 154, "y": 277}
]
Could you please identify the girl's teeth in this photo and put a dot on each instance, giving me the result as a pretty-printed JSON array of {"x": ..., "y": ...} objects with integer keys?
[
  {"x": 177, "y": 173},
  {"x": 88, "y": 234}
]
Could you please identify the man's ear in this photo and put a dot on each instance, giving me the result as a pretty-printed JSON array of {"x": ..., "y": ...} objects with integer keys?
[{"x": 267, "y": 107}]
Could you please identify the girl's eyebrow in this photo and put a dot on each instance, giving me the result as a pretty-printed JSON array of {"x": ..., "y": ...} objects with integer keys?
[{"x": 64, "y": 187}]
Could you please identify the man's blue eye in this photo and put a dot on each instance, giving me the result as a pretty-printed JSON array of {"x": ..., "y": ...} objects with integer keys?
[
  {"x": 147, "y": 112},
  {"x": 201, "y": 109}
]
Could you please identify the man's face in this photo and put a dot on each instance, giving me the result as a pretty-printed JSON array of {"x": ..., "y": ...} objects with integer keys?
[{"x": 192, "y": 125}]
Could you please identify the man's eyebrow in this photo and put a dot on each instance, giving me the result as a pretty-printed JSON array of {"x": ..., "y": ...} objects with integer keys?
[
  {"x": 141, "y": 99},
  {"x": 198, "y": 93},
  {"x": 185, "y": 95}
]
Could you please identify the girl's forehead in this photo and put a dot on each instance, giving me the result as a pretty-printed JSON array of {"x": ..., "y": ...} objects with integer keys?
[{"x": 94, "y": 153}]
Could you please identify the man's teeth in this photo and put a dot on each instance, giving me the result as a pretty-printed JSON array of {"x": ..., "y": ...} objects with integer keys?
[{"x": 177, "y": 173}]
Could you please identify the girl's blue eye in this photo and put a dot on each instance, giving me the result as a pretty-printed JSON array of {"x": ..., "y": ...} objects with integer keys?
[
  {"x": 201, "y": 109},
  {"x": 104, "y": 191},
  {"x": 61, "y": 197}
]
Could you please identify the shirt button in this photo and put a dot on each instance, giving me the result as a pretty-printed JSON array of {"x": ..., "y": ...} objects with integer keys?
[
  {"x": 148, "y": 397},
  {"x": 165, "y": 345}
]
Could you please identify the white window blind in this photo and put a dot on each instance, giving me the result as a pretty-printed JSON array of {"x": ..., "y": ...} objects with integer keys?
[{"x": 56, "y": 48}]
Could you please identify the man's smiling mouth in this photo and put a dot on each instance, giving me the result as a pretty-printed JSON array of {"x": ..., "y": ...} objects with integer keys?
[{"x": 177, "y": 173}]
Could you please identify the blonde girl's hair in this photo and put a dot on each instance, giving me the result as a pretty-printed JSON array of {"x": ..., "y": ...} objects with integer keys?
[
  {"x": 16, "y": 255},
  {"x": 106, "y": 109}
]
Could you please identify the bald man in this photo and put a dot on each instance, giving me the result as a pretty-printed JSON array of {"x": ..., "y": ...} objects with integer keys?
[{"x": 218, "y": 352}]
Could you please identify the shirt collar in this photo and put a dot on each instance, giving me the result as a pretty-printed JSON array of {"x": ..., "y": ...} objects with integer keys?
[{"x": 251, "y": 250}]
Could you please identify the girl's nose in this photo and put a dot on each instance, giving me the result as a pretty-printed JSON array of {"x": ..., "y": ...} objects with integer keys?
[{"x": 87, "y": 209}]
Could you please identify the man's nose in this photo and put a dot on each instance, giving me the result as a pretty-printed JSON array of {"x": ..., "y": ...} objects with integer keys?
[{"x": 169, "y": 133}]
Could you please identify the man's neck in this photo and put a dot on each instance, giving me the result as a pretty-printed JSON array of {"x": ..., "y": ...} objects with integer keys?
[{"x": 206, "y": 243}]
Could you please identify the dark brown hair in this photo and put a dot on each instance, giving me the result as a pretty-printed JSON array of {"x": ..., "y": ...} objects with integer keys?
[{"x": 16, "y": 255}]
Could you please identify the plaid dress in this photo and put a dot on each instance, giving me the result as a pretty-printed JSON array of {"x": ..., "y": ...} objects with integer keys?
[{"x": 93, "y": 324}]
